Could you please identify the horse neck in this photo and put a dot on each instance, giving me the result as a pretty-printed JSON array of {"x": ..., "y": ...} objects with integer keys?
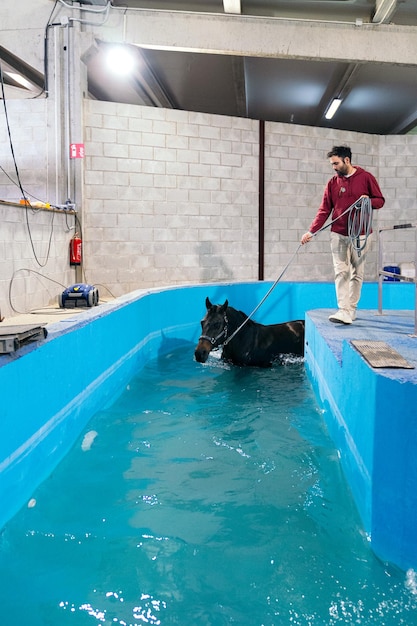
[{"x": 235, "y": 319}]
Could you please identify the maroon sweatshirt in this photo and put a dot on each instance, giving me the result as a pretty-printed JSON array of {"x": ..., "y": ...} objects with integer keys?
[{"x": 340, "y": 193}]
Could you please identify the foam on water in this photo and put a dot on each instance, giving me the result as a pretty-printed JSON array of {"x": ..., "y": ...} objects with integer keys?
[{"x": 210, "y": 495}]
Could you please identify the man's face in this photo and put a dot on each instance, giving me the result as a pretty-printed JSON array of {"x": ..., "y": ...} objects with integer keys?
[{"x": 339, "y": 165}]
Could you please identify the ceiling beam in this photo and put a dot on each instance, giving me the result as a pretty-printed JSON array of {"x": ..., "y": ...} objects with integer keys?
[
  {"x": 14, "y": 64},
  {"x": 384, "y": 10},
  {"x": 248, "y": 36},
  {"x": 405, "y": 125}
]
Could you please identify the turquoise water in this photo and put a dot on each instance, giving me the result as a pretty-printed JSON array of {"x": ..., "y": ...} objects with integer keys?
[{"x": 207, "y": 495}]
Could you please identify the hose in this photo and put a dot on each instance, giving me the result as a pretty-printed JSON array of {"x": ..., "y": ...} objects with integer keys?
[{"x": 359, "y": 224}]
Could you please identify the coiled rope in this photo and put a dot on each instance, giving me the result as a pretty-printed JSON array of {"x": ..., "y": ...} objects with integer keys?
[{"x": 360, "y": 221}]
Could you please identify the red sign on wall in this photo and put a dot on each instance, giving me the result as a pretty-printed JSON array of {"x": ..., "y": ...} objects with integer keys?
[{"x": 77, "y": 151}]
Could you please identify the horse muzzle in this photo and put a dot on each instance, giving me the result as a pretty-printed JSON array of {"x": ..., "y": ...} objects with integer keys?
[{"x": 202, "y": 350}]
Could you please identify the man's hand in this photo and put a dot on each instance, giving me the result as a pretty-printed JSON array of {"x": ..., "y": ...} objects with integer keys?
[{"x": 306, "y": 237}]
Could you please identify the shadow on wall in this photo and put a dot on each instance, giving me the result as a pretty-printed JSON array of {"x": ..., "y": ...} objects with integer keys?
[
  {"x": 171, "y": 344},
  {"x": 213, "y": 267}
]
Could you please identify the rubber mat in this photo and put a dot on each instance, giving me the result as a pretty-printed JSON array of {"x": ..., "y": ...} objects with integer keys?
[{"x": 380, "y": 354}]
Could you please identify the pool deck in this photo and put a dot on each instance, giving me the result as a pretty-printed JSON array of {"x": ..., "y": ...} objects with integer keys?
[{"x": 395, "y": 328}]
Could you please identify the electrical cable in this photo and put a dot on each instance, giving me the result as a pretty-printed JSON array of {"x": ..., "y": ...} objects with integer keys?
[
  {"x": 105, "y": 10},
  {"x": 45, "y": 89},
  {"x": 24, "y": 194},
  {"x": 18, "y": 177},
  {"x": 264, "y": 298},
  {"x": 26, "y": 269},
  {"x": 35, "y": 209},
  {"x": 8, "y": 131},
  {"x": 81, "y": 8}
]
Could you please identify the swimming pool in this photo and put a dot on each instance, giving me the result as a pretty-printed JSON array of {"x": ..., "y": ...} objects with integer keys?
[
  {"x": 205, "y": 495},
  {"x": 51, "y": 390}
]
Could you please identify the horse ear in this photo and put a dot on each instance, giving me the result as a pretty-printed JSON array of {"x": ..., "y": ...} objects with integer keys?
[
  {"x": 208, "y": 304},
  {"x": 224, "y": 306}
]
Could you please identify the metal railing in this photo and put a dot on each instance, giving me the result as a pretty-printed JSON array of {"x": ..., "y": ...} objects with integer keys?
[{"x": 383, "y": 273}]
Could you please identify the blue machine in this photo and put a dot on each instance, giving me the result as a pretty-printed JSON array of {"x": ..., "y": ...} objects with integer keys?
[{"x": 78, "y": 295}]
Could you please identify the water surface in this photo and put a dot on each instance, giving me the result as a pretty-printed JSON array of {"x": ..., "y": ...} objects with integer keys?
[{"x": 207, "y": 495}]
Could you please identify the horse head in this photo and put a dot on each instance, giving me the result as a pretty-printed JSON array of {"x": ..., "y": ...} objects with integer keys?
[{"x": 214, "y": 330}]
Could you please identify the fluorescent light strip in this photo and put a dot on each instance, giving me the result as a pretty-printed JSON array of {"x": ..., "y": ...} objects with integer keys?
[
  {"x": 232, "y": 6},
  {"x": 333, "y": 108}
]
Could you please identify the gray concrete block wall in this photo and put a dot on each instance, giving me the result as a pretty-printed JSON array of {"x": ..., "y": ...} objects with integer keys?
[
  {"x": 297, "y": 171},
  {"x": 170, "y": 197},
  {"x": 186, "y": 190},
  {"x": 397, "y": 157},
  {"x": 27, "y": 132}
]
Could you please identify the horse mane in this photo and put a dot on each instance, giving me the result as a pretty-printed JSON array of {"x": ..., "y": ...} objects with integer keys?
[{"x": 243, "y": 316}]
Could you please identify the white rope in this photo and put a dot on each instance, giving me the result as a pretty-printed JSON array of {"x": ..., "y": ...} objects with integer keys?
[
  {"x": 263, "y": 299},
  {"x": 361, "y": 221}
]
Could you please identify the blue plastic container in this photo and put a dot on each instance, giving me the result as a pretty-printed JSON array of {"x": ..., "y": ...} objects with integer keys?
[{"x": 394, "y": 269}]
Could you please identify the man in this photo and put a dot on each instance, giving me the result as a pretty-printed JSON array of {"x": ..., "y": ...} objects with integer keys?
[{"x": 349, "y": 184}]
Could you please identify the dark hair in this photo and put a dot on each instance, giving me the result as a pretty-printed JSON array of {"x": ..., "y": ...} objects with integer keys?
[{"x": 340, "y": 151}]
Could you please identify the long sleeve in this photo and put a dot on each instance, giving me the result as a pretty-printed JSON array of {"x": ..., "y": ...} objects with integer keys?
[{"x": 340, "y": 193}]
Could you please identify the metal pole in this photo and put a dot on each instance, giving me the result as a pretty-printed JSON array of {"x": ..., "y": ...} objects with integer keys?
[
  {"x": 415, "y": 284},
  {"x": 379, "y": 272},
  {"x": 67, "y": 98},
  {"x": 261, "y": 202}
]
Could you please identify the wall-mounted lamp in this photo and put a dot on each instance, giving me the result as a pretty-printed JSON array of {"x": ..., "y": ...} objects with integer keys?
[{"x": 334, "y": 105}]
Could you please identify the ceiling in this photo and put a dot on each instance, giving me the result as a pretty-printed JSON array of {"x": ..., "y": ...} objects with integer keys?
[
  {"x": 378, "y": 98},
  {"x": 274, "y": 89}
]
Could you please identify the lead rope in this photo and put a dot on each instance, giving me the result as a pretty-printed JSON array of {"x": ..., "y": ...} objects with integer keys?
[
  {"x": 360, "y": 221},
  {"x": 264, "y": 298},
  {"x": 355, "y": 228}
]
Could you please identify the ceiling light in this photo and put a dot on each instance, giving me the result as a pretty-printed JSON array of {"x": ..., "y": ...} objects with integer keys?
[
  {"x": 18, "y": 78},
  {"x": 335, "y": 104},
  {"x": 120, "y": 60},
  {"x": 232, "y": 6}
]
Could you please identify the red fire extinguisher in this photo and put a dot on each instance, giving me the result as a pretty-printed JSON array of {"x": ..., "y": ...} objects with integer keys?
[{"x": 75, "y": 250}]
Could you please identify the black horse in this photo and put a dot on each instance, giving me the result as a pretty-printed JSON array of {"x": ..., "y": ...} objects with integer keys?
[{"x": 253, "y": 344}]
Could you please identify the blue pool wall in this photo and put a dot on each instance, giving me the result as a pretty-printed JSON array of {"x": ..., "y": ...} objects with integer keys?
[
  {"x": 371, "y": 417},
  {"x": 52, "y": 388}
]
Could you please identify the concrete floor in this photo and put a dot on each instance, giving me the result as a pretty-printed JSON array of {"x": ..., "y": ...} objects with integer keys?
[
  {"x": 46, "y": 315},
  {"x": 19, "y": 325}
]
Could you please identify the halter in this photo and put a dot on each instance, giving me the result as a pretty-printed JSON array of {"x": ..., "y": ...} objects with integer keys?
[{"x": 214, "y": 340}]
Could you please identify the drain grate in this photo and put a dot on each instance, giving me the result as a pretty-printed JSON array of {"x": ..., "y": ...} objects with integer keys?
[
  {"x": 13, "y": 337},
  {"x": 380, "y": 354}
]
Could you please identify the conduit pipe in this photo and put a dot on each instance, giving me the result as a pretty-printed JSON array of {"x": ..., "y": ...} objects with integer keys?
[
  {"x": 261, "y": 202},
  {"x": 358, "y": 22}
]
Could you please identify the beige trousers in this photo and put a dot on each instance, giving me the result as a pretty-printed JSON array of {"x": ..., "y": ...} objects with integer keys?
[{"x": 349, "y": 269}]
